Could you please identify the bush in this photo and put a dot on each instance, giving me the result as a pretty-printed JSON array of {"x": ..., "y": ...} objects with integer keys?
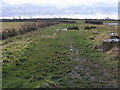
[
  {"x": 90, "y": 27},
  {"x": 73, "y": 28},
  {"x": 94, "y": 22},
  {"x": 87, "y": 28},
  {"x": 5, "y": 34}
]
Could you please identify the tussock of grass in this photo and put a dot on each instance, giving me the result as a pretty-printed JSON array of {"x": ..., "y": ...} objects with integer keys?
[{"x": 47, "y": 58}]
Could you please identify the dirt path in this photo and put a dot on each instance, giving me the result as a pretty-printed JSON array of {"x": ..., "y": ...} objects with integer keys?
[{"x": 94, "y": 75}]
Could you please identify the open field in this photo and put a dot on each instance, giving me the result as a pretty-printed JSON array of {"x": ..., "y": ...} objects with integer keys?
[
  {"x": 10, "y": 25},
  {"x": 52, "y": 58}
]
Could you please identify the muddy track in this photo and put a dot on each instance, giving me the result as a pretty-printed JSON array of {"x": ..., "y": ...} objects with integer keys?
[
  {"x": 81, "y": 71},
  {"x": 95, "y": 74}
]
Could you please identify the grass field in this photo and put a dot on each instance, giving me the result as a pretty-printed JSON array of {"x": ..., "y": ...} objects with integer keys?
[
  {"x": 10, "y": 25},
  {"x": 47, "y": 58}
]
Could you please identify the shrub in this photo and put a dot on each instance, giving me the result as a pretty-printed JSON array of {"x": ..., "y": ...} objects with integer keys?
[
  {"x": 73, "y": 28},
  {"x": 5, "y": 34},
  {"x": 87, "y": 28},
  {"x": 94, "y": 22},
  {"x": 90, "y": 27}
]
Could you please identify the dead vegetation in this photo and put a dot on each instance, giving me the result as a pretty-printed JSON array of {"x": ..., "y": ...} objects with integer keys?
[
  {"x": 24, "y": 28},
  {"x": 114, "y": 53}
]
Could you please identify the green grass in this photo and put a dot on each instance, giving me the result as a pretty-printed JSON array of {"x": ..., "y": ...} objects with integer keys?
[
  {"x": 110, "y": 21},
  {"x": 43, "y": 59}
]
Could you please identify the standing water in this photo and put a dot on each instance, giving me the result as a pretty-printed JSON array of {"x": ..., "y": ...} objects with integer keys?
[{"x": 111, "y": 23}]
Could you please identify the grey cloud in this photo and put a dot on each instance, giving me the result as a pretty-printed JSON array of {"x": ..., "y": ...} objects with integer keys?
[
  {"x": 100, "y": 7},
  {"x": 27, "y": 10},
  {"x": 31, "y": 10}
]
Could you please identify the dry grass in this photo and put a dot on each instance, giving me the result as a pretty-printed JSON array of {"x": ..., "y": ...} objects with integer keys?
[
  {"x": 11, "y": 25},
  {"x": 11, "y": 29},
  {"x": 113, "y": 52}
]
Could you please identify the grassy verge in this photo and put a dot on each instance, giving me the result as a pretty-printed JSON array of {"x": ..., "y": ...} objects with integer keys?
[{"x": 48, "y": 58}]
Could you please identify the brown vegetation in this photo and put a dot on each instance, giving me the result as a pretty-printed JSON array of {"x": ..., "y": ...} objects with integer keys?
[{"x": 25, "y": 27}]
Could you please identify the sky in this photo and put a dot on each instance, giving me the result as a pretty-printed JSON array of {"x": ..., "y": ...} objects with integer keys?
[{"x": 95, "y": 9}]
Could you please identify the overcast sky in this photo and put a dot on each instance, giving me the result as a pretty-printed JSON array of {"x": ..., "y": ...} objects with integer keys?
[{"x": 60, "y": 8}]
